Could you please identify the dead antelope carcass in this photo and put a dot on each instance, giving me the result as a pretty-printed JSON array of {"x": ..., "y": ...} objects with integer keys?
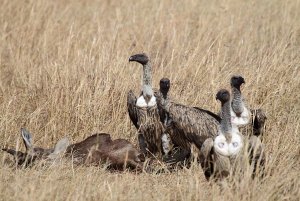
[
  {"x": 93, "y": 150},
  {"x": 100, "y": 148}
]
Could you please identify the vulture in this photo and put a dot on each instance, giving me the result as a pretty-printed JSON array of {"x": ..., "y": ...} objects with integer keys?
[
  {"x": 240, "y": 114},
  {"x": 229, "y": 140},
  {"x": 258, "y": 121},
  {"x": 143, "y": 111},
  {"x": 185, "y": 125},
  {"x": 252, "y": 121},
  {"x": 222, "y": 154}
]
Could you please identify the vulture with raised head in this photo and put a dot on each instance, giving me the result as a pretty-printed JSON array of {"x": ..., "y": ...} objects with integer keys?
[
  {"x": 220, "y": 152},
  {"x": 240, "y": 114},
  {"x": 252, "y": 120},
  {"x": 225, "y": 153},
  {"x": 143, "y": 111}
]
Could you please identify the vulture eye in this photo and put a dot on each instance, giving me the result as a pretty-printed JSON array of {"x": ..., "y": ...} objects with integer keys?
[
  {"x": 221, "y": 144},
  {"x": 235, "y": 144}
]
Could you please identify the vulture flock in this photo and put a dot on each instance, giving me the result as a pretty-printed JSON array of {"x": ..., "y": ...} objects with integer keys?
[{"x": 168, "y": 131}]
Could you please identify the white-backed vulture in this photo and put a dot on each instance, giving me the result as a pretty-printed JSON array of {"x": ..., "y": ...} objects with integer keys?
[
  {"x": 258, "y": 121},
  {"x": 181, "y": 146},
  {"x": 186, "y": 125},
  {"x": 229, "y": 140},
  {"x": 143, "y": 111},
  {"x": 221, "y": 151},
  {"x": 240, "y": 114},
  {"x": 224, "y": 153}
]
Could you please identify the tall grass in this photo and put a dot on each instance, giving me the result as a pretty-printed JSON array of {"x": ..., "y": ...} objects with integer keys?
[{"x": 64, "y": 71}]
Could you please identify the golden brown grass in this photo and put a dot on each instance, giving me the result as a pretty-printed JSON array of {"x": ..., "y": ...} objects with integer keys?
[{"x": 64, "y": 71}]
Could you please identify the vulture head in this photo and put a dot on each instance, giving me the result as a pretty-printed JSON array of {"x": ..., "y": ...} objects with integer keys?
[
  {"x": 140, "y": 58},
  {"x": 237, "y": 81},
  {"x": 223, "y": 96},
  {"x": 164, "y": 86},
  {"x": 258, "y": 120}
]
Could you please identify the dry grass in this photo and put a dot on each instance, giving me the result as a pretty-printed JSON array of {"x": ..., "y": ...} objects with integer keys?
[{"x": 64, "y": 71}]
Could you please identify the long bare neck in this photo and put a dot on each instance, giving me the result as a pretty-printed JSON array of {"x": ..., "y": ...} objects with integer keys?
[
  {"x": 226, "y": 126},
  {"x": 237, "y": 102},
  {"x": 166, "y": 103},
  {"x": 147, "y": 80}
]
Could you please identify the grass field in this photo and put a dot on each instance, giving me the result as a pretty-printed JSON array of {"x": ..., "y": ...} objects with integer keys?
[{"x": 64, "y": 71}]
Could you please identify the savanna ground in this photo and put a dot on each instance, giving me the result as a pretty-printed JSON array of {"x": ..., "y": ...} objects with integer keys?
[{"x": 64, "y": 71}]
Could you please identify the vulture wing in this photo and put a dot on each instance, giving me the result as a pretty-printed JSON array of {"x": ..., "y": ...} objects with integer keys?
[
  {"x": 193, "y": 125},
  {"x": 132, "y": 109}
]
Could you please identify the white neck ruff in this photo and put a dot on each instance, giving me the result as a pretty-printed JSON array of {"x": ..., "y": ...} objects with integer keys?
[
  {"x": 228, "y": 148},
  {"x": 141, "y": 102}
]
